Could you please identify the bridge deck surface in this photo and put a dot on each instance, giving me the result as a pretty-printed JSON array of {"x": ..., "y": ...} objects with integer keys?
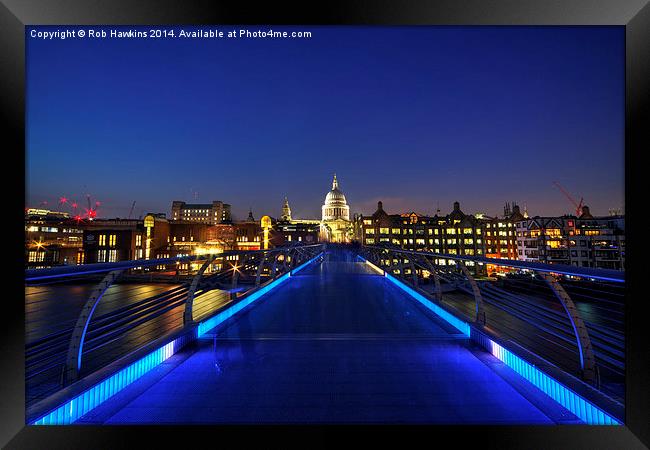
[{"x": 336, "y": 343}]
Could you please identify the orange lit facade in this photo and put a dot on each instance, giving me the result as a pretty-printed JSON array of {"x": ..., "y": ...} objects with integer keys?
[
  {"x": 501, "y": 237},
  {"x": 248, "y": 234},
  {"x": 584, "y": 241},
  {"x": 456, "y": 233},
  {"x": 51, "y": 239}
]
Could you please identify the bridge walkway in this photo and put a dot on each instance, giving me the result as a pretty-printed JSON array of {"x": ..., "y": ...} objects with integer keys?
[{"x": 337, "y": 343}]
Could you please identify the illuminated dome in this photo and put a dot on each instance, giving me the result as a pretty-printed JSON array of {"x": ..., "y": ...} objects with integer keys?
[{"x": 335, "y": 207}]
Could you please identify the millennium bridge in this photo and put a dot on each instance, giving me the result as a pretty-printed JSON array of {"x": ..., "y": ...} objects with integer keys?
[{"x": 324, "y": 333}]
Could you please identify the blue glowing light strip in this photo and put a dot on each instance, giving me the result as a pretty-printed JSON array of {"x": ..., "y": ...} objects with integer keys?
[
  {"x": 583, "y": 409},
  {"x": 460, "y": 325},
  {"x": 212, "y": 322},
  {"x": 376, "y": 268},
  {"x": 72, "y": 410}
]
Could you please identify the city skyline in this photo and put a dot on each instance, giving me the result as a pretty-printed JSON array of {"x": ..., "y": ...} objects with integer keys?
[
  {"x": 417, "y": 117},
  {"x": 275, "y": 211}
]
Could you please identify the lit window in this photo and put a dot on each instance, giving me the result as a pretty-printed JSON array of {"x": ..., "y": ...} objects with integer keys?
[
  {"x": 102, "y": 240},
  {"x": 112, "y": 255},
  {"x": 111, "y": 240},
  {"x": 553, "y": 232}
]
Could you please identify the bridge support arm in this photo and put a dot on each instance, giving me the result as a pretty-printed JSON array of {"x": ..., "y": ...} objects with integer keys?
[
  {"x": 274, "y": 267},
  {"x": 414, "y": 273},
  {"x": 585, "y": 351},
  {"x": 260, "y": 267},
  {"x": 189, "y": 301},
  {"x": 480, "y": 311},
  {"x": 436, "y": 278},
  {"x": 75, "y": 348},
  {"x": 400, "y": 265},
  {"x": 235, "y": 274}
]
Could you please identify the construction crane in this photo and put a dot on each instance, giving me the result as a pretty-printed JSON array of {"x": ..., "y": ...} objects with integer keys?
[
  {"x": 91, "y": 212},
  {"x": 578, "y": 206},
  {"x": 131, "y": 212}
]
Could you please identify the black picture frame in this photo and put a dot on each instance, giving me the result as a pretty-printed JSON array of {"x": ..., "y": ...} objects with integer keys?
[{"x": 634, "y": 15}]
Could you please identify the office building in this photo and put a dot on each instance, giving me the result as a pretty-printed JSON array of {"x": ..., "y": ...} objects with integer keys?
[{"x": 208, "y": 213}]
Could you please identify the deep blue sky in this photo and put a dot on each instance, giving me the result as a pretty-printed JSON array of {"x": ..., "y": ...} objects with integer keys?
[{"x": 413, "y": 116}]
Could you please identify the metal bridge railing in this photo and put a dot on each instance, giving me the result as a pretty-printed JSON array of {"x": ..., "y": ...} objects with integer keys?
[
  {"x": 572, "y": 316},
  {"x": 81, "y": 318}
]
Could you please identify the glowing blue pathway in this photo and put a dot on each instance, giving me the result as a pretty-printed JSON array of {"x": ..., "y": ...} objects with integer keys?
[{"x": 336, "y": 343}]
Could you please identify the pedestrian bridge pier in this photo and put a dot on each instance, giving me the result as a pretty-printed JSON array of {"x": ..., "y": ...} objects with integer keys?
[{"x": 323, "y": 334}]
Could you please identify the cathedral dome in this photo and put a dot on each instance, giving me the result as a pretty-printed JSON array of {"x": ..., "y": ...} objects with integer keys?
[
  {"x": 335, "y": 198},
  {"x": 336, "y": 206}
]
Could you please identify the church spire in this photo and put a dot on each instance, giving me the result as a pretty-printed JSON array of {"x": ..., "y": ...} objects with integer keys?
[
  {"x": 286, "y": 210},
  {"x": 335, "y": 183}
]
